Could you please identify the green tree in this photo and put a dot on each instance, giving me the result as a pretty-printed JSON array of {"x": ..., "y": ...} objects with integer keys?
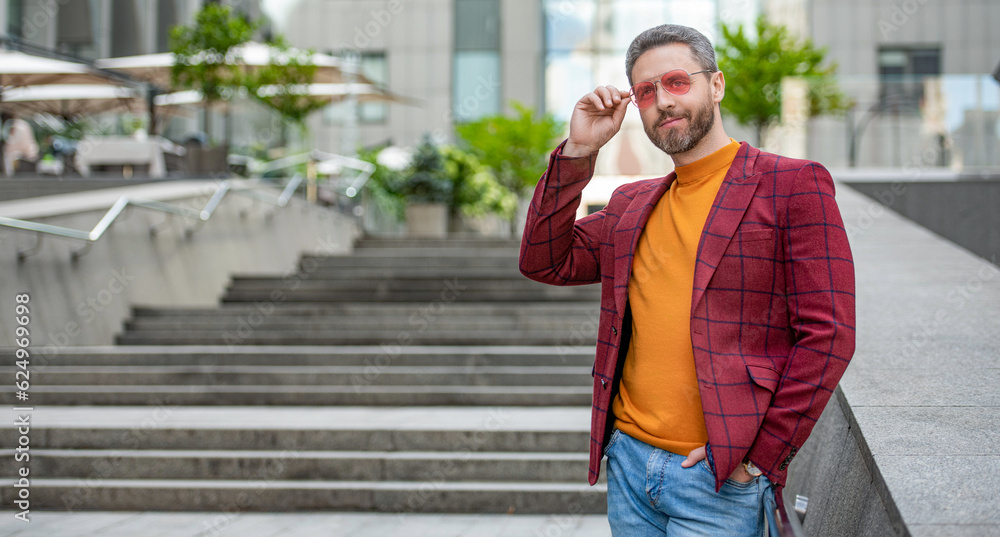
[
  {"x": 283, "y": 84},
  {"x": 754, "y": 66},
  {"x": 515, "y": 148},
  {"x": 203, "y": 58}
]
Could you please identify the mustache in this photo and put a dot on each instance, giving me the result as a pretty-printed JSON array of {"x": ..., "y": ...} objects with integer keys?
[{"x": 665, "y": 116}]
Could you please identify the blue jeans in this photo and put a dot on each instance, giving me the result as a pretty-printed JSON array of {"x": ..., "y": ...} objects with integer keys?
[{"x": 649, "y": 493}]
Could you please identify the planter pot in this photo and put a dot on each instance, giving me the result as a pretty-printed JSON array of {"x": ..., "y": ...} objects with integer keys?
[{"x": 428, "y": 220}]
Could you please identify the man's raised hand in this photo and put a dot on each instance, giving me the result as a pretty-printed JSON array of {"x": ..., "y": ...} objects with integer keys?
[{"x": 597, "y": 117}]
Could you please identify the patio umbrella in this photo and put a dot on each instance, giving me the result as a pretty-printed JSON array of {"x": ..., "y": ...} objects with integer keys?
[
  {"x": 339, "y": 92},
  {"x": 20, "y": 69},
  {"x": 69, "y": 100},
  {"x": 334, "y": 92},
  {"x": 155, "y": 68}
]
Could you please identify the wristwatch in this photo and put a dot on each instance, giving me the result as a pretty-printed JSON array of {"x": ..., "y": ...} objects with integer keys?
[{"x": 751, "y": 468}]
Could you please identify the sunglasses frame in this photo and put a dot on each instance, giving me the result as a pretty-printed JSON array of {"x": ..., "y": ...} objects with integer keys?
[{"x": 659, "y": 80}]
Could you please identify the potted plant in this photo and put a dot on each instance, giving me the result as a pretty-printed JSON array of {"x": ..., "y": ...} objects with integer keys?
[
  {"x": 428, "y": 192},
  {"x": 480, "y": 204},
  {"x": 516, "y": 149}
]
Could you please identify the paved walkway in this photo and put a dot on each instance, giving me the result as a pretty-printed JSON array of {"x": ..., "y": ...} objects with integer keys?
[
  {"x": 923, "y": 382},
  {"x": 103, "y": 524}
]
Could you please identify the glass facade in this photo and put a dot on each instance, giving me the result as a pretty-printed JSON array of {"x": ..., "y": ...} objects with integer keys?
[
  {"x": 902, "y": 72},
  {"x": 586, "y": 40},
  {"x": 79, "y": 28},
  {"x": 169, "y": 13},
  {"x": 15, "y": 18},
  {"x": 128, "y": 18},
  {"x": 375, "y": 67},
  {"x": 476, "y": 90}
]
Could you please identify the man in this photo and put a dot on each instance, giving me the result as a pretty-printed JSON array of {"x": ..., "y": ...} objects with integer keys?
[{"x": 727, "y": 304}]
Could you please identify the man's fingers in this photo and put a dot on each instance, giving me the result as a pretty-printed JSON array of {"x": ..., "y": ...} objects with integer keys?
[
  {"x": 594, "y": 101},
  {"x": 620, "y": 108},
  {"x": 604, "y": 97},
  {"x": 693, "y": 457}
]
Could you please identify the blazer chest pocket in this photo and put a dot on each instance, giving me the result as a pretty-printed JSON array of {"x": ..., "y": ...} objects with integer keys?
[{"x": 753, "y": 235}]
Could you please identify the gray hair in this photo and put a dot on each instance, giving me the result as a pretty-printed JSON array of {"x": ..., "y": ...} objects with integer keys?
[{"x": 666, "y": 34}]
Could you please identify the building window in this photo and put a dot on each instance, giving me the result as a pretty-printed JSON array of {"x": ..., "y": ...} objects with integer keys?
[
  {"x": 476, "y": 89},
  {"x": 15, "y": 16},
  {"x": 128, "y": 27},
  {"x": 78, "y": 28},
  {"x": 169, "y": 13},
  {"x": 902, "y": 73},
  {"x": 375, "y": 67}
]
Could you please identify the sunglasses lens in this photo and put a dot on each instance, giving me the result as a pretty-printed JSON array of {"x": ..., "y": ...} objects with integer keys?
[
  {"x": 676, "y": 82},
  {"x": 643, "y": 94}
]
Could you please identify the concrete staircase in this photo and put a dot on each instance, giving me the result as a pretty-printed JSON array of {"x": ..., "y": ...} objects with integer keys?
[
  {"x": 410, "y": 376},
  {"x": 40, "y": 185}
]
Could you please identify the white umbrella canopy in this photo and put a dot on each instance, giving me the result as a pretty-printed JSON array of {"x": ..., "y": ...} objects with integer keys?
[
  {"x": 20, "y": 69},
  {"x": 155, "y": 68},
  {"x": 334, "y": 92},
  {"x": 70, "y": 100}
]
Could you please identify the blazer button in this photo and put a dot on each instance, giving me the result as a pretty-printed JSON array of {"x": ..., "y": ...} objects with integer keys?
[{"x": 614, "y": 330}]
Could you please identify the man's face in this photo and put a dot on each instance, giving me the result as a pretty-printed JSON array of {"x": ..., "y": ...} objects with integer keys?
[{"x": 676, "y": 123}]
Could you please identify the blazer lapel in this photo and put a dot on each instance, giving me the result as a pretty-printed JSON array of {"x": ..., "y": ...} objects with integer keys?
[
  {"x": 627, "y": 233},
  {"x": 727, "y": 211}
]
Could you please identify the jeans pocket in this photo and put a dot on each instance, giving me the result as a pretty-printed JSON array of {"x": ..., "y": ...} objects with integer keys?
[
  {"x": 612, "y": 440},
  {"x": 741, "y": 485},
  {"x": 705, "y": 466}
]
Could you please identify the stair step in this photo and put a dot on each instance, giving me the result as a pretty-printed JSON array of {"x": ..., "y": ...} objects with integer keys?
[
  {"x": 509, "y": 252},
  {"x": 420, "y": 244},
  {"x": 404, "y": 309},
  {"x": 382, "y": 260},
  {"x": 380, "y": 356},
  {"x": 299, "y": 337},
  {"x": 405, "y": 283},
  {"x": 505, "y": 271},
  {"x": 352, "y": 324},
  {"x": 520, "y": 296},
  {"x": 306, "y": 428},
  {"x": 304, "y": 465},
  {"x": 313, "y": 375},
  {"x": 359, "y": 392},
  {"x": 282, "y": 495}
]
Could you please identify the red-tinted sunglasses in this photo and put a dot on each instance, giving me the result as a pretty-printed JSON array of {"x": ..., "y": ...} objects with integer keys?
[{"x": 676, "y": 82}]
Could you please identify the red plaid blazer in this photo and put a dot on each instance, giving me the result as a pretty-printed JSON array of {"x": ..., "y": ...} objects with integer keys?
[{"x": 772, "y": 313}]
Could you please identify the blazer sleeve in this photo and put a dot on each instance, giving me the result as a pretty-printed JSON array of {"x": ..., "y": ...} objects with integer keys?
[
  {"x": 819, "y": 279},
  {"x": 556, "y": 248}
]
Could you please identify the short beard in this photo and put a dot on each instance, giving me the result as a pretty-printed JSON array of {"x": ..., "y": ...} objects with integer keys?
[{"x": 672, "y": 141}]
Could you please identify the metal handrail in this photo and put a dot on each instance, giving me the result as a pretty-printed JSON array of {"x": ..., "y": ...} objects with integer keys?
[
  {"x": 365, "y": 169},
  {"x": 200, "y": 217}
]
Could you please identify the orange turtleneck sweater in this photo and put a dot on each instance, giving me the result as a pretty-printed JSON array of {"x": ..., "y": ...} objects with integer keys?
[{"x": 658, "y": 400}]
